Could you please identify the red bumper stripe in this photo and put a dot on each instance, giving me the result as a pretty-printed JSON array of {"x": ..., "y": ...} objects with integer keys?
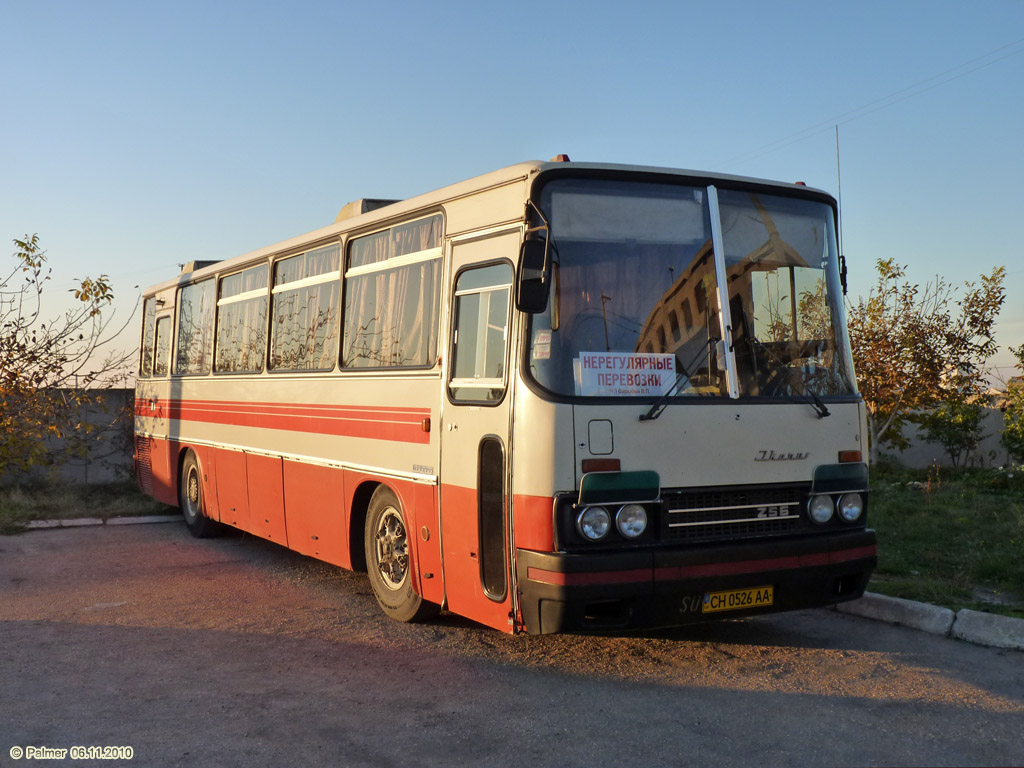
[
  {"x": 853, "y": 554},
  {"x": 699, "y": 571},
  {"x": 587, "y": 579}
]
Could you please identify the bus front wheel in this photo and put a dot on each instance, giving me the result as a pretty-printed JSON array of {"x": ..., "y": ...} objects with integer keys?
[
  {"x": 190, "y": 498},
  {"x": 386, "y": 543}
]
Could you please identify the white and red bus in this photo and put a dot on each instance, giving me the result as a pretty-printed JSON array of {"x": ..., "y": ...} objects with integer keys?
[{"x": 559, "y": 396}]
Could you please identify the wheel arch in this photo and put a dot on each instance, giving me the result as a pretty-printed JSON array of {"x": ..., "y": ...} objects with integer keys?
[
  {"x": 357, "y": 521},
  {"x": 184, "y": 451}
]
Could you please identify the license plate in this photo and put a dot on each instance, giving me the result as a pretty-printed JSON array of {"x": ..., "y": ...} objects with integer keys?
[{"x": 737, "y": 599}]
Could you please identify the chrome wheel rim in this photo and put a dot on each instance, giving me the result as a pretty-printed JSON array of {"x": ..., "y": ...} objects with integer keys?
[
  {"x": 192, "y": 493},
  {"x": 392, "y": 548}
]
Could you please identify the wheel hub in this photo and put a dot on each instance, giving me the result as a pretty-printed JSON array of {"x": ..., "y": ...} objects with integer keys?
[{"x": 392, "y": 549}]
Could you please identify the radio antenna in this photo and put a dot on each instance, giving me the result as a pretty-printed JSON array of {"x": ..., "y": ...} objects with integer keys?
[
  {"x": 839, "y": 180},
  {"x": 839, "y": 218}
]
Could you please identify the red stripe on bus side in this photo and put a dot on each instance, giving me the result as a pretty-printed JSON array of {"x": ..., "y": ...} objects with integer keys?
[{"x": 379, "y": 423}]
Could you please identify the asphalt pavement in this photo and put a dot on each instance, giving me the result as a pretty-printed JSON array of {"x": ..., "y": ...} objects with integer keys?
[{"x": 234, "y": 651}]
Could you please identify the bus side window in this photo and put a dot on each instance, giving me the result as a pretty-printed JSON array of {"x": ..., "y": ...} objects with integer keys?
[
  {"x": 148, "y": 329},
  {"x": 163, "y": 346},
  {"x": 196, "y": 305},
  {"x": 481, "y": 332}
]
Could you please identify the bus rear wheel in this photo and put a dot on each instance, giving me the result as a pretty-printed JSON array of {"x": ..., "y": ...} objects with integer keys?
[
  {"x": 190, "y": 498},
  {"x": 386, "y": 544}
]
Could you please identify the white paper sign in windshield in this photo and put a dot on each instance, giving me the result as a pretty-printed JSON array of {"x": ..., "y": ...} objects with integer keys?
[{"x": 620, "y": 374}]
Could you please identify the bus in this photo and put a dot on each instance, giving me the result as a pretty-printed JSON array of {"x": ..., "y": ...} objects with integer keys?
[{"x": 556, "y": 397}]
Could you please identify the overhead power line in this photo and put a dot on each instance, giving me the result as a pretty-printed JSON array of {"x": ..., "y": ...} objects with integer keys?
[{"x": 884, "y": 102}]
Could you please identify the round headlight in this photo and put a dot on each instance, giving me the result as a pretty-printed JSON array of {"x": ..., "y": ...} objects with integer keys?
[
  {"x": 631, "y": 520},
  {"x": 820, "y": 508},
  {"x": 851, "y": 505},
  {"x": 593, "y": 523}
]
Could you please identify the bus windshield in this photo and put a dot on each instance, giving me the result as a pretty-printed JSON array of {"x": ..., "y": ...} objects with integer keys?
[{"x": 636, "y": 305}]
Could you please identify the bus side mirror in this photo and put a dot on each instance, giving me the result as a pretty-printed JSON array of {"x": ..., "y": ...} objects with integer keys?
[{"x": 532, "y": 287}]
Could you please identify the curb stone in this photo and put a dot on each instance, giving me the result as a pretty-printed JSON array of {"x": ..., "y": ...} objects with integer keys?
[
  {"x": 143, "y": 519},
  {"x": 989, "y": 629},
  {"x": 895, "y": 610},
  {"x": 81, "y": 522}
]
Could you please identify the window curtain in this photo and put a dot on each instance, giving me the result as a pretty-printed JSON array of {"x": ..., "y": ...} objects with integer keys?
[{"x": 391, "y": 316}]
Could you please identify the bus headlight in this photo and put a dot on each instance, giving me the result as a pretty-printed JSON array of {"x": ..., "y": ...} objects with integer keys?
[
  {"x": 820, "y": 508},
  {"x": 631, "y": 520},
  {"x": 593, "y": 523},
  {"x": 851, "y": 505}
]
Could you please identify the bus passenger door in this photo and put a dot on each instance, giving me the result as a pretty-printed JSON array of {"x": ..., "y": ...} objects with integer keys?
[
  {"x": 156, "y": 468},
  {"x": 475, "y": 431}
]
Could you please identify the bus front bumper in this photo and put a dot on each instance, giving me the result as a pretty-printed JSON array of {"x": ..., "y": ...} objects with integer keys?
[{"x": 604, "y": 591}]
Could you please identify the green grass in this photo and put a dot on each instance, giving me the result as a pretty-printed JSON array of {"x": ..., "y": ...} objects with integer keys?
[
  {"x": 945, "y": 536},
  {"x": 20, "y": 504}
]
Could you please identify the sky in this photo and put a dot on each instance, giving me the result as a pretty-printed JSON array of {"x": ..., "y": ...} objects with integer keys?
[{"x": 135, "y": 136}]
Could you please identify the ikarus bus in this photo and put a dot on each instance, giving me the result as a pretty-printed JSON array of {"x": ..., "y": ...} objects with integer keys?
[{"x": 556, "y": 397}]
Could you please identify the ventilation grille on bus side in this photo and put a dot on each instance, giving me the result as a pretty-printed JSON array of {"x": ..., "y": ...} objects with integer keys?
[{"x": 144, "y": 464}]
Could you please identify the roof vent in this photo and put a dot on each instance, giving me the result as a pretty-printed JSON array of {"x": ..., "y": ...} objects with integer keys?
[
  {"x": 192, "y": 266},
  {"x": 361, "y": 206}
]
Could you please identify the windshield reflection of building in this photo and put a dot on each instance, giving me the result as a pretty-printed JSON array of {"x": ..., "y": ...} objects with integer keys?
[
  {"x": 765, "y": 332},
  {"x": 684, "y": 321},
  {"x": 766, "y": 323}
]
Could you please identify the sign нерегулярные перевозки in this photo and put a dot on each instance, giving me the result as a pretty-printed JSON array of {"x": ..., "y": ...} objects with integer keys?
[{"x": 625, "y": 374}]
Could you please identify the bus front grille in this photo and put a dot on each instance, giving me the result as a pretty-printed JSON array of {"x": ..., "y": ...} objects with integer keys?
[{"x": 714, "y": 514}]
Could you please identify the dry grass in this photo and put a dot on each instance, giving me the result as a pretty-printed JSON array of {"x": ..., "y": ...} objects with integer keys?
[{"x": 20, "y": 504}]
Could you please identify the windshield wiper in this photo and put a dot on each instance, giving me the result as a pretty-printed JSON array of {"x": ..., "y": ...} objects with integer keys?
[
  {"x": 809, "y": 395},
  {"x": 818, "y": 404},
  {"x": 661, "y": 403}
]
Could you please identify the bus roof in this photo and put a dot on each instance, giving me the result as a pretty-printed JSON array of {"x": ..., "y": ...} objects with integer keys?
[{"x": 465, "y": 188}]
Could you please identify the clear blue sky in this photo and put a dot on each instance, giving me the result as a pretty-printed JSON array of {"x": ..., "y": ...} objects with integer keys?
[{"x": 135, "y": 136}]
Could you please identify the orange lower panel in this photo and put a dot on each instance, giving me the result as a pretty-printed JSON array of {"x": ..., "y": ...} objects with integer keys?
[
  {"x": 534, "y": 523},
  {"x": 315, "y": 512},
  {"x": 165, "y": 485},
  {"x": 266, "y": 498},
  {"x": 232, "y": 488},
  {"x": 425, "y": 532},
  {"x": 462, "y": 578}
]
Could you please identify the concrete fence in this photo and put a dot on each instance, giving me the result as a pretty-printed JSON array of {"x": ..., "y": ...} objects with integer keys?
[
  {"x": 109, "y": 456},
  {"x": 989, "y": 453}
]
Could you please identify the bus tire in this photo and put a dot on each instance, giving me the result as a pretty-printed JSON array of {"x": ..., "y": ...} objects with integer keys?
[
  {"x": 190, "y": 499},
  {"x": 386, "y": 544}
]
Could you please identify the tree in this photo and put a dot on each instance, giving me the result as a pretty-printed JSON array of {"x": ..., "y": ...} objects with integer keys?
[
  {"x": 914, "y": 346},
  {"x": 50, "y": 370},
  {"x": 956, "y": 425},
  {"x": 1012, "y": 436}
]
